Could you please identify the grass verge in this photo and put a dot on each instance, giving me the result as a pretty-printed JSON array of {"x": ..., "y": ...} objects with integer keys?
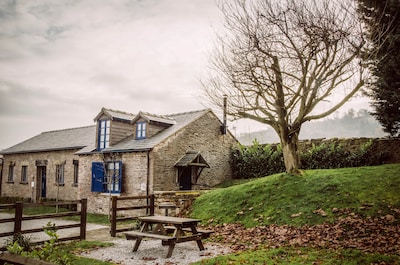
[
  {"x": 288, "y": 255},
  {"x": 307, "y": 199}
]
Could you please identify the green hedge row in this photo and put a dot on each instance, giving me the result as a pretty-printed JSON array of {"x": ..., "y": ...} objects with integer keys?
[{"x": 260, "y": 160}]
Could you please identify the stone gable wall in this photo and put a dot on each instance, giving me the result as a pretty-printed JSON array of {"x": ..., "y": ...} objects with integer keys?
[{"x": 203, "y": 135}]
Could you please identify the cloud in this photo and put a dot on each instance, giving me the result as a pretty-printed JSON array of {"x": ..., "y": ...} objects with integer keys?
[{"x": 61, "y": 61}]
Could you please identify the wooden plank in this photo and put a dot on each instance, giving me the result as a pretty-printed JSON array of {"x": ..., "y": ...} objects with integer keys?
[
  {"x": 54, "y": 215},
  {"x": 194, "y": 237},
  {"x": 131, "y": 198},
  {"x": 138, "y": 207},
  {"x": 41, "y": 229},
  {"x": 204, "y": 233},
  {"x": 7, "y": 220},
  {"x": 169, "y": 220},
  {"x": 137, "y": 234},
  {"x": 20, "y": 260}
]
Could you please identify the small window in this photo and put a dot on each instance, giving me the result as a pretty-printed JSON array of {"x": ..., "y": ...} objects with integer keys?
[
  {"x": 76, "y": 172},
  {"x": 104, "y": 134},
  {"x": 107, "y": 177},
  {"x": 24, "y": 174},
  {"x": 11, "y": 173},
  {"x": 60, "y": 174},
  {"x": 140, "y": 130}
]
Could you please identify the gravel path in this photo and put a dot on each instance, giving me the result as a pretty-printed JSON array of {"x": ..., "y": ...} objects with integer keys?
[{"x": 151, "y": 252}]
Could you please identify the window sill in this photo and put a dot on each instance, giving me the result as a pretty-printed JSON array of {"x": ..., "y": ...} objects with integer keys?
[
  {"x": 74, "y": 185},
  {"x": 59, "y": 184},
  {"x": 24, "y": 183},
  {"x": 110, "y": 194},
  {"x": 10, "y": 182}
]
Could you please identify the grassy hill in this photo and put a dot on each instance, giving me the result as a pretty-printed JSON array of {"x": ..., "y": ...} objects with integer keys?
[{"x": 313, "y": 198}]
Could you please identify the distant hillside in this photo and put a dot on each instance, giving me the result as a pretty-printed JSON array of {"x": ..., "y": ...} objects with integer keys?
[{"x": 350, "y": 125}]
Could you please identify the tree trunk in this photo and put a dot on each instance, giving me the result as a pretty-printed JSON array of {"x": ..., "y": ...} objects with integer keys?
[{"x": 290, "y": 154}]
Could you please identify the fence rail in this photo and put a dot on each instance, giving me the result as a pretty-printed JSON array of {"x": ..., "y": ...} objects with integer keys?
[
  {"x": 19, "y": 217},
  {"x": 149, "y": 206}
]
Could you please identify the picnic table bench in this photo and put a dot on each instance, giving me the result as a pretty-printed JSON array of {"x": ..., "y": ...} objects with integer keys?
[{"x": 184, "y": 230}]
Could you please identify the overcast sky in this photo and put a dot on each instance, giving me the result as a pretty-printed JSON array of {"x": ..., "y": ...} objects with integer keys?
[{"x": 62, "y": 61}]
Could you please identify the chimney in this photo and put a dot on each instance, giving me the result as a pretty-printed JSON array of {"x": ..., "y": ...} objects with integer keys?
[{"x": 224, "y": 127}]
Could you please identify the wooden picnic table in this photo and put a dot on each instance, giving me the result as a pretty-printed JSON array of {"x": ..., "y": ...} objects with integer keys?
[{"x": 157, "y": 226}]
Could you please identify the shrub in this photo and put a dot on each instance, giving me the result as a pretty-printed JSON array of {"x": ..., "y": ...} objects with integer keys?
[
  {"x": 256, "y": 161},
  {"x": 259, "y": 160},
  {"x": 48, "y": 252}
]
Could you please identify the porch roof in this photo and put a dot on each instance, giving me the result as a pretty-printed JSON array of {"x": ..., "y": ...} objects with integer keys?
[{"x": 192, "y": 158}]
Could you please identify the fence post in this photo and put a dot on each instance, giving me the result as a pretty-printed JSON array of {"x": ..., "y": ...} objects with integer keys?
[
  {"x": 18, "y": 217},
  {"x": 113, "y": 230},
  {"x": 83, "y": 219},
  {"x": 152, "y": 204}
]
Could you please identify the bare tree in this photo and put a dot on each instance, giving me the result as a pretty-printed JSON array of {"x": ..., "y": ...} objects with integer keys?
[{"x": 277, "y": 60}]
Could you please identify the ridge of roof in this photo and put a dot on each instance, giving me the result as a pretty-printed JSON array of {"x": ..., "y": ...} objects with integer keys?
[
  {"x": 68, "y": 129},
  {"x": 155, "y": 117},
  {"x": 122, "y": 115},
  {"x": 118, "y": 111},
  {"x": 189, "y": 112}
]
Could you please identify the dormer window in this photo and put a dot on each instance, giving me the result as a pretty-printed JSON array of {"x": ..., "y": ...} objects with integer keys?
[
  {"x": 141, "y": 130},
  {"x": 104, "y": 134}
]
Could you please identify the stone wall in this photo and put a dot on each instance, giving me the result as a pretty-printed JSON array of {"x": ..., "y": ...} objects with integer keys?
[
  {"x": 16, "y": 188},
  {"x": 183, "y": 201},
  {"x": 202, "y": 136}
]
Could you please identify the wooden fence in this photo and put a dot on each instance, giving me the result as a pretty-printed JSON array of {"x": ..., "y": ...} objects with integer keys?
[
  {"x": 19, "y": 217},
  {"x": 149, "y": 206}
]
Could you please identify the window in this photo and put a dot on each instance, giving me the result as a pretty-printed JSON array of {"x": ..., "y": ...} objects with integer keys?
[
  {"x": 11, "y": 172},
  {"x": 104, "y": 134},
  {"x": 24, "y": 174},
  {"x": 107, "y": 177},
  {"x": 76, "y": 172},
  {"x": 60, "y": 174},
  {"x": 140, "y": 130}
]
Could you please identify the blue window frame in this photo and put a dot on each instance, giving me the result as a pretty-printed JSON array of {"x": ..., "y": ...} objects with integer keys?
[
  {"x": 141, "y": 130},
  {"x": 107, "y": 177},
  {"x": 104, "y": 134}
]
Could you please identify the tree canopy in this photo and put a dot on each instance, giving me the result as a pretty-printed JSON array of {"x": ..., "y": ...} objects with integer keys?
[
  {"x": 382, "y": 18},
  {"x": 278, "y": 60}
]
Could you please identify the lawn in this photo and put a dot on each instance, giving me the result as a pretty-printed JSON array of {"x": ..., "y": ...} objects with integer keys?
[
  {"x": 368, "y": 191},
  {"x": 317, "y": 198}
]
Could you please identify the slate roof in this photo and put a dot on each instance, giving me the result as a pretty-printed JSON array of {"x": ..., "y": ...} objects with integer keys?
[
  {"x": 189, "y": 158},
  {"x": 84, "y": 138},
  {"x": 132, "y": 144},
  {"x": 67, "y": 139}
]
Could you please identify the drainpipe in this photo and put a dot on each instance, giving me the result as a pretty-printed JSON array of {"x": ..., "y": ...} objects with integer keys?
[
  {"x": 148, "y": 179},
  {"x": 148, "y": 174},
  {"x": 1, "y": 172},
  {"x": 224, "y": 126}
]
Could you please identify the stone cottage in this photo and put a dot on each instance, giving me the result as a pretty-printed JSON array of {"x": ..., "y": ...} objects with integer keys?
[{"x": 124, "y": 154}]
